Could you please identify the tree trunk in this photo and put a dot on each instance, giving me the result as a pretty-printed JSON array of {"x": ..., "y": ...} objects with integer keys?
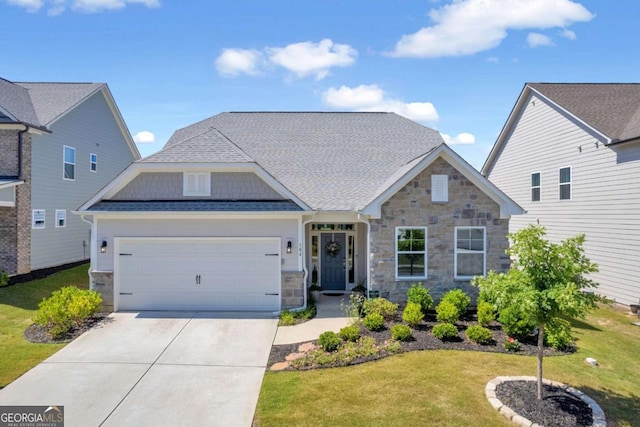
[{"x": 540, "y": 356}]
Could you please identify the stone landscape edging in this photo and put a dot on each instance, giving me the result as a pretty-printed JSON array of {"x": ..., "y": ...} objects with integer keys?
[{"x": 599, "y": 419}]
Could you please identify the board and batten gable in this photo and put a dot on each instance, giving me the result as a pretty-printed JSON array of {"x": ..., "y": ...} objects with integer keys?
[
  {"x": 89, "y": 128},
  {"x": 224, "y": 186},
  {"x": 605, "y": 191}
]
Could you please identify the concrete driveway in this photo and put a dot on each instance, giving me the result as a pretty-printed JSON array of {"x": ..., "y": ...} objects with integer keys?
[{"x": 155, "y": 368}]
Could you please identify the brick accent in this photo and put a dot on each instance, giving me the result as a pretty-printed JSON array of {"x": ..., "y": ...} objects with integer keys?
[
  {"x": 9, "y": 151},
  {"x": 411, "y": 206},
  {"x": 292, "y": 289},
  {"x": 102, "y": 282}
]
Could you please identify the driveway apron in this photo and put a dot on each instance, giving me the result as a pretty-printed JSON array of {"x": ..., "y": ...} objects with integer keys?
[{"x": 155, "y": 368}]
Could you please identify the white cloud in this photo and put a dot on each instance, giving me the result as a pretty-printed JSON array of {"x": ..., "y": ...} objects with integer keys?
[
  {"x": 568, "y": 34},
  {"x": 57, "y": 7},
  {"x": 373, "y": 98},
  {"x": 144, "y": 137},
  {"x": 30, "y": 5},
  {"x": 463, "y": 138},
  {"x": 232, "y": 62},
  {"x": 308, "y": 58},
  {"x": 466, "y": 27},
  {"x": 537, "y": 39}
]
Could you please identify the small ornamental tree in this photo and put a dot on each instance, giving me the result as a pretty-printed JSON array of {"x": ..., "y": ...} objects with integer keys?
[{"x": 546, "y": 281}]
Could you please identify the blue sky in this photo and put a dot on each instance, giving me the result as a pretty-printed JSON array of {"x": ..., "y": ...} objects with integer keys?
[{"x": 456, "y": 66}]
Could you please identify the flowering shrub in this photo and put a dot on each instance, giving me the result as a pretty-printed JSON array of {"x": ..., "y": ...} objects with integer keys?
[{"x": 512, "y": 344}]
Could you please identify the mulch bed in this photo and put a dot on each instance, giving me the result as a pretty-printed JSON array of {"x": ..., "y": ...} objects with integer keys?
[
  {"x": 557, "y": 408},
  {"x": 42, "y": 273},
  {"x": 38, "y": 334}
]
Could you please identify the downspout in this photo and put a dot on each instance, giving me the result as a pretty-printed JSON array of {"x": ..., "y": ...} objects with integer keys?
[{"x": 303, "y": 233}]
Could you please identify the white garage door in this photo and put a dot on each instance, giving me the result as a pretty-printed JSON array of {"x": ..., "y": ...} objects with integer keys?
[{"x": 239, "y": 274}]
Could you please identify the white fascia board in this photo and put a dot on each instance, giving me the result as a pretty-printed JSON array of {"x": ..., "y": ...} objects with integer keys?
[
  {"x": 8, "y": 184},
  {"x": 191, "y": 215}
]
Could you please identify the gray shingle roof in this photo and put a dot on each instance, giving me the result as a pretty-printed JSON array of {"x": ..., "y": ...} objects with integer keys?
[
  {"x": 611, "y": 108},
  {"x": 331, "y": 161},
  {"x": 16, "y": 104},
  {"x": 196, "y": 206}
]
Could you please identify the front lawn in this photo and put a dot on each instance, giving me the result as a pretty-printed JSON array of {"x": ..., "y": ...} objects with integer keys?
[
  {"x": 446, "y": 388},
  {"x": 18, "y": 304}
]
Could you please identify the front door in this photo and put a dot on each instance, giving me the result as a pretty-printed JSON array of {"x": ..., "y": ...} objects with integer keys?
[{"x": 333, "y": 262}]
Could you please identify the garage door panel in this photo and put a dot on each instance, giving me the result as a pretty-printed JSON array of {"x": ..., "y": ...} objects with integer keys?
[{"x": 207, "y": 274}]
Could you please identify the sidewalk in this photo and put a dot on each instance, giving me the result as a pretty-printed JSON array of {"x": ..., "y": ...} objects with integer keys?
[{"x": 330, "y": 317}]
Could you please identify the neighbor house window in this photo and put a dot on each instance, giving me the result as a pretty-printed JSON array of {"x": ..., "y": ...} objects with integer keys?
[
  {"x": 411, "y": 253},
  {"x": 93, "y": 162},
  {"x": 61, "y": 218},
  {"x": 197, "y": 184},
  {"x": 69, "y": 163},
  {"x": 470, "y": 254},
  {"x": 535, "y": 187},
  {"x": 565, "y": 183},
  {"x": 439, "y": 188},
  {"x": 37, "y": 218}
]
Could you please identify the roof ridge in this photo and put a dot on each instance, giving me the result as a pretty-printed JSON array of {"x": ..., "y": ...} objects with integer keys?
[{"x": 234, "y": 145}]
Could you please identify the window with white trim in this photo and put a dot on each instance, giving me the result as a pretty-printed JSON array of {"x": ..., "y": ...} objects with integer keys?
[
  {"x": 93, "y": 162},
  {"x": 439, "y": 188},
  {"x": 61, "y": 218},
  {"x": 564, "y": 180},
  {"x": 196, "y": 184},
  {"x": 535, "y": 187},
  {"x": 411, "y": 253},
  {"x": 470, "y": 253},
  {"x": 69, "y": 163},
  {"x": 38, "y": 218}
]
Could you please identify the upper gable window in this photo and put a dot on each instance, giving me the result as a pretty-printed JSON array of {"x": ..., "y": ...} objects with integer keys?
[
  {"x": 565, "y": 183},
  {"x": 196, "y": 184},
  {"x": 439, "y": 188},
  {"x": 69, "y": 163},
  {"x": 93, "y": 162},
  {"x": 535, "y": 187}
]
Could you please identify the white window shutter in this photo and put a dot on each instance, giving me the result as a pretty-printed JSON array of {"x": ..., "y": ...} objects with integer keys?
[{"x": 439, "y": 188}]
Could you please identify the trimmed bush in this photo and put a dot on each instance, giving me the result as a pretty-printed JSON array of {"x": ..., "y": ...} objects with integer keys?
[
  {"x": 479, "y": 334},
  {"x": 458, "y": 298},
  {"x": 557, "y": 334},
  {"x": 373, "y": 322},
  {"x": 4, "y": 278},
  {"x": 350, "y": 333},
  {"x": 447, "y": 312},
  {"x": 412, "y": 314},
  {"x": 381, "y": 306},
  {"x": 445, "y": 331},
  {"x": 286, "y": 318},
  {"x": 421, "y": 296},
  {"x": 329, "y": 341},
  {"x": 514, "y": 324},
  {"x": 401, "y": 332},
  {"x": 486, "y": 313},
  {"x": 66, "y": 308}
]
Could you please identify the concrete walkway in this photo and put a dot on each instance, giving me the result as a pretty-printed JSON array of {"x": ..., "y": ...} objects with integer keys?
[
  {"x": 155, "y": 368},
  {"x": 331, "y": 316}
]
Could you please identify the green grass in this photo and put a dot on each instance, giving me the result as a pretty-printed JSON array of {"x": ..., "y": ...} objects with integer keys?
[
  {"x": 18, "y": 304},
  {"x": 446, "y": 388}
]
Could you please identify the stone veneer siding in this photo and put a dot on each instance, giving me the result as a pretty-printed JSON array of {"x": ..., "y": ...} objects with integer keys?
[
  {"x": 15, "y": 223},
  {"x": 102, "y": 282},
  {"x": 412, "y": 206}
]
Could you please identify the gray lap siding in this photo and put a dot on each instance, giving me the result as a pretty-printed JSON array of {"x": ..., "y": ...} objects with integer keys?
[{"x": 412, "y": 207}]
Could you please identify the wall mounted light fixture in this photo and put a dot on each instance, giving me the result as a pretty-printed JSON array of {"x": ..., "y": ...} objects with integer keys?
[
  {"x": 103, "y": 247},
  {"x": 289, "y": 247}
]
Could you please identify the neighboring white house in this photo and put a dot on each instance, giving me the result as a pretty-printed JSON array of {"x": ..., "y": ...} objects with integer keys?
[
  {"x": 59, "y": 144},
  {"x": 569, "y": 154},
  {"x": 242, "y": 211}
]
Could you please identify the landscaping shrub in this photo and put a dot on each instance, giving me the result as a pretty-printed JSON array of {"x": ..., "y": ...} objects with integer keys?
[
  {"x": 329, "y": 341},
  {"x": 373, "y": 322},
  {"x": 458, "y": 298},
  {"x": 4, "y": 278},
  {"x": 286, "y": 318},
  {"x": 514, "y": 324},
  {"x": 66, "y": 308},
  {"x": 421, "y": 296},
  {"x": 381, "y": 306},
  {"x": 412, "y": 314},
  {"x": 401, "y": 332},
  {"x": 355, "y": 307},
  {"x": 479, "y": 334},
  {"x": 447, "y": 312},
  {"x": 486, "y": 313},
  {"x": 558, "y": 334},
  {"x": 350, "y": 333},
  {"x": 512, "y": 344},
  {"x": 445, "y": 331}
]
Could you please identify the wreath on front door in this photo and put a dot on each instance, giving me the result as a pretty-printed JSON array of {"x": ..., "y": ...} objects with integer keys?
[{"x": 332, "y": 249}]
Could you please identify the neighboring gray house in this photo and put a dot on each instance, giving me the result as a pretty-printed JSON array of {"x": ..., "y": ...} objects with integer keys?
[
  {"x": 241, "y": 210},
  {"x": 59, "y": 144},
  {"x": 570, "y": 155}
]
